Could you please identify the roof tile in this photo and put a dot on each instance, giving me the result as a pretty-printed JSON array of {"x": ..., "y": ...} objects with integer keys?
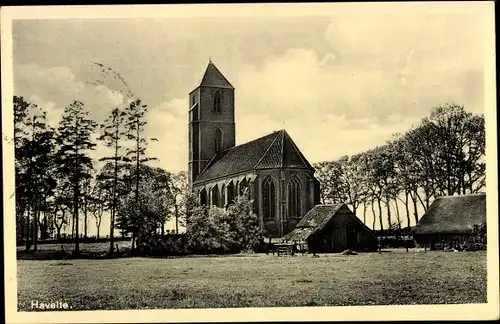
[
  {"x": 268, "y": 152},
  {"x": 214, "y": 78}
]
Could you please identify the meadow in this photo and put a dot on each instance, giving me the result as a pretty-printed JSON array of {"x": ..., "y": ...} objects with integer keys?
[{"x": 256, "y": 280}]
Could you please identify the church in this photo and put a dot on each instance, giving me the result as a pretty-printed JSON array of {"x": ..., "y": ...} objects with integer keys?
[{"x": 273, "y": 171}]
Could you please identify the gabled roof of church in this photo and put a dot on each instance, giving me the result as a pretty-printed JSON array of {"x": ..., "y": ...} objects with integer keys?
[
  {"x": 214, "y": 78},
  {"x": 276, "y": 150}
]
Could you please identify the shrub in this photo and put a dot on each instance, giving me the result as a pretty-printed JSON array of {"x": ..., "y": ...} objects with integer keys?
[
  {"x": 207, "y": 233},
  {"x": 217, "y": 231}
]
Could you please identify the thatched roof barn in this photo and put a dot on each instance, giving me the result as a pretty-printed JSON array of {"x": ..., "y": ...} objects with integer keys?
[
  {"x": 332, "y": 228},
  {"x": 451, "y": 219}
]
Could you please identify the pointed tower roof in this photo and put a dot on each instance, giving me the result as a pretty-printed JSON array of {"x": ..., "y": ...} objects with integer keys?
[{"x": 214, "y": 78}]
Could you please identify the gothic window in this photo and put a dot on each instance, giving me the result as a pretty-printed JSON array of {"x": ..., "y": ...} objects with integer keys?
[
  {"x": 223, "y": 195},
  {"x": 230, "y": 192},
  {"x": 269, "y": 199},
  {"x": 203, "y": 197},
  {"x": 215, "y": 196},
  {"x": 243, "y": 187},
  {"x": 217, "y": 103},
  {"x": 294, "y": 198},
  {"x": 218, "y": 140}
]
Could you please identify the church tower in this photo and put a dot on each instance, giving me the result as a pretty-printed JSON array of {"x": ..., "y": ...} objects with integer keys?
[{"x": 211, "y": 120}]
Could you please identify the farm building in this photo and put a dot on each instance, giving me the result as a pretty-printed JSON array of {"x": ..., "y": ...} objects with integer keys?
[
  {"x": 451, "y": 220},
  {"x": 332, "y": 228}
]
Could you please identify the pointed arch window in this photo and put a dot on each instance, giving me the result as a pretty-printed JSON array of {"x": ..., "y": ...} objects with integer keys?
[
  {"x": 203, "y": 197},
  {"x": 230, "y": 192},
  {"x": 215, "y": 196},
  {"x": 269, "y": 199},
  {"x": 294, "y": 201},
  {"x": 243, "y": 187},
  {"x": 218, "y": 140},
  {"x": 217, "y": 102},
  {"x": 223, "y": 195}
]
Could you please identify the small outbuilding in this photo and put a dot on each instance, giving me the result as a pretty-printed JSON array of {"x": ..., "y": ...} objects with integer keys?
[
  {"x": 332, "y": 228},
  {"x": 451, "y": 220}
]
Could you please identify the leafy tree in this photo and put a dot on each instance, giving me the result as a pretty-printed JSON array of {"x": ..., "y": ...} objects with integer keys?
[
  {"x": 112, "y": 135},
  {"x": 74, "y": 138},
  {"x": 98, "y": 203},
  {"x": 217, "y": 230},
  {"x": 34, "y": 146},
  {"x": 243, "y": 222},
  {"x": 207, "y": 233},
  {"x": 153, "y": 205},
  {"x": 179, "y": 196},
  {"x": 135, "y": 129},
  {"x": 329, "y": 175},
  {"x": 21, "y": 110}
]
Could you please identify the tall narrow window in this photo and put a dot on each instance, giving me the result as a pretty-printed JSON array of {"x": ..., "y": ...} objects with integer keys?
[
  {"x": 218, "y": 140},
  {"x": 269, "y": 199},
  {"x": 223, "y": 195},
  {"x": 230, "y": 192},
  {"x": 203, "y": 197},
  {"x": 215, "y": 196},
  {"x": 243, "y": 187},
  {"x": 217, "y": 102},
  {"x": 294, "y": 198}
]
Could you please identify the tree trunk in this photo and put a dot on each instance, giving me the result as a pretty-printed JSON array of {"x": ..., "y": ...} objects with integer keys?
[
  {"x": 58, "y": 232},
  {"x": 415, "y": 209},
  {"x": 98, "y": 225},
  {"x": 73, "y": 225},
  {"x": 398, "y": 216},
  {"x": 364, "y": 213},
  {"x": 133, "y": 240},
  {"x": 176, "y": 218},
  {"x": 407, "y": 209},
  {"x": 75, "y": 212},
  {"x": 28, "y": 228},
  {"x": 374, "y": 215},
  {"x": 21, "y": 226},
  {"x": 36, "y": 217},
  {"x": 85, "y": 219},
  {"x": 115, "y": 185},
  {"x": 380, "y": 215},
  {"x": 388, "y": 205}
]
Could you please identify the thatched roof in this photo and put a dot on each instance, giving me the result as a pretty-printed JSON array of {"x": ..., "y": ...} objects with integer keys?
[
  {"x": 453, "y": 214},
  {"x": 315, "y": 220}
]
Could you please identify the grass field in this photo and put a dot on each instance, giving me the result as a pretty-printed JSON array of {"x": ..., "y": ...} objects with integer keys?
[{"x": 256, "y": 281}]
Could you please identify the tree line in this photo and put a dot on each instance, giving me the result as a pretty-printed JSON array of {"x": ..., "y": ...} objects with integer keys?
[
  {"x": 441, "y": 155},
  {"x": 58, "y": 183}
]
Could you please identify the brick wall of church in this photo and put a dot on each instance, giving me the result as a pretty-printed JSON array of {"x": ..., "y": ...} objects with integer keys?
[{"x": 282, "y": 224}]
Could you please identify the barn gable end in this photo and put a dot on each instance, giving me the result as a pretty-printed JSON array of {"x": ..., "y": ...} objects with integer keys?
[{"x": 332, "y": 228}]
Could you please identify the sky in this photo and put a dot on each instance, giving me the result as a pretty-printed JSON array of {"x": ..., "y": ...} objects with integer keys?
[{"x": 339, "y": 83}]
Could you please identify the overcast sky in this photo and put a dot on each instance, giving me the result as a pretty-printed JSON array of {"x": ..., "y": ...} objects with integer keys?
[{"x": 339, "y": 84}]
